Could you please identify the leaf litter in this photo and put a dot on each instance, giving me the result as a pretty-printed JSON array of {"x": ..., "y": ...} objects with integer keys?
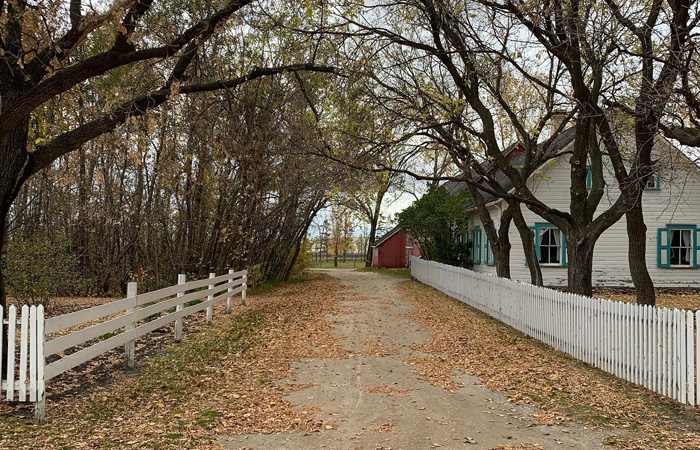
[
  {"x": 220, "y": 380},
  {"x": 527, "y": 371}
]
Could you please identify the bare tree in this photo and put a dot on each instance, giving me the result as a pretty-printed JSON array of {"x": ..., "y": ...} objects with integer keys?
[{"x": 41, "y": 66}]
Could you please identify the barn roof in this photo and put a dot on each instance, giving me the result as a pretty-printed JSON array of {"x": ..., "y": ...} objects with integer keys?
[{"x": 386, "y": 236}]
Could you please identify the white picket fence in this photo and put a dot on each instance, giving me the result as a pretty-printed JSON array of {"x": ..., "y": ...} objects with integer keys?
[
  {"x": 109, "y": 326},
  {"x": 649, "y": 346}
]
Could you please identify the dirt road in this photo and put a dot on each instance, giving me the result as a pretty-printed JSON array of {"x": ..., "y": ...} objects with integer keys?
[{"x": 375, "y": 400}]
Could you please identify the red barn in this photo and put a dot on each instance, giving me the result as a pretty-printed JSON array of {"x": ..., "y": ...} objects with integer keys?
[{"x": 392, "y": 250}]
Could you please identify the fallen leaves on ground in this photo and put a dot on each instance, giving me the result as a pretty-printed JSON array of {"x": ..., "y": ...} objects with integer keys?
[
  {"x": 384, "y": 389},
  {"x": 384, "y": 427},
  {"x": 376, "y": 348},
  {"x": 435, "y": 371},
  {"x": 219, "y": 380},
  {"x": 530, "y": 372},
  {"x": 519, "y": 447},
  {"x": 681, "y": 298}
]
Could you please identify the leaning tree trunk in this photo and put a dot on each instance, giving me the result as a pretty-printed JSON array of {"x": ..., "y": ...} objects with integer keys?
[
  {"x": 13, "y": 159},
  {"x": 528, "y": 239},
  {"x": 637, "y": 236},
  {"x": 579, "y": 255},
  {"x": 503, "y": 255},
  {"x": 370, "y": 241}
]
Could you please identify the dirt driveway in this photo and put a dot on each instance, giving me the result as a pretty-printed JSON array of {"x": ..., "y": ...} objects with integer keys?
[{"x": 374, "y": 399}]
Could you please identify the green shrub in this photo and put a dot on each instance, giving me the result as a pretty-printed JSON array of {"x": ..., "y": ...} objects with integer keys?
[
  {"x": 438, "y": 222},
  {"x": 255, "y": 275},
  {"x": 37, "y": 270}
]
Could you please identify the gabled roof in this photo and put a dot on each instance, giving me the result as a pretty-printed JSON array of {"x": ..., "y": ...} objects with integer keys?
[
  {"x": 517, "y": 158},
  {"x": 389, "y": 234}
]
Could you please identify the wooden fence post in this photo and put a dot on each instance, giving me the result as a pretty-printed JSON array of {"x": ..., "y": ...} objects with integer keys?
[
  {"x": 181, "y": 278},
  {"x": 229, "y": 299},
  {"x": 210, "y": 308},
  {"x": 130, "y": 346},
  {"x": 245, "y": 288},
  {"x": 40, "y": 405}
]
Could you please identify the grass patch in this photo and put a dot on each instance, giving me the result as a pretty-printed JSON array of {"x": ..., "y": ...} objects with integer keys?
[
  {"x": 354, "y": 264},
  {"x": 402, "y": 273},
  {"x": 152, "y": 317},
  {"x": 111, "y": 334},
  {"x": 208, "y": 418},
  {"x": 193, "y": 302}
]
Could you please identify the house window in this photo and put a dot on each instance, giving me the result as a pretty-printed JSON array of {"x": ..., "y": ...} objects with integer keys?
[
  {"x": 476, "y": 245},
  {"x": 678, "y": 246},
  {"x": 681, "y": 247},
  {"x": 550, "y": 246},
  {"x": 653, "y": 183}
]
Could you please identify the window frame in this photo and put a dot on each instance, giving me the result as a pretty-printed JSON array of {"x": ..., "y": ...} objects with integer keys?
[
  {"x": 537, "y": 228},
  {"x": 657, "y": 183},
  {"x": 559, "y": 246},
  {"x": 690, "y": 247},
  {"x": 664, "y": 249}
]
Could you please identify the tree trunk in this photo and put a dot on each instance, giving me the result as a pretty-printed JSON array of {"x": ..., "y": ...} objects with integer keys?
[
  {"x": 503, "y": 255},
  {"x": 370, "y": 241},
  {"x": 13, "y": 160},
  {"x": 637, "y": 236},
  {"x": 528, "y": 239},
  {"x": 579, "y": 255}
]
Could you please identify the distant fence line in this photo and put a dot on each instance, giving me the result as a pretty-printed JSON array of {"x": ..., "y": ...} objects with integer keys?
[
  {"x": 650, "y": 346},
  {"x": 117, "y": 323}
]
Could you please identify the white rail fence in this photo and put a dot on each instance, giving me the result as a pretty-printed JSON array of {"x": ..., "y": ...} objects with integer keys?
[
  {"x": 653, "y": 347},
  {"x": 83, "y": 335}
]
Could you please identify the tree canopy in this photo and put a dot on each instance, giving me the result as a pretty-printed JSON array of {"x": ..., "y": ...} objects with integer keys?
[{"x": 437, "y": 221}]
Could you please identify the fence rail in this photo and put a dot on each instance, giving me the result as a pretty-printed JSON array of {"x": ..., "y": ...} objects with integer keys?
[
  {"x": 650, "y": 346},
  {"x": 117, "y": 323}
]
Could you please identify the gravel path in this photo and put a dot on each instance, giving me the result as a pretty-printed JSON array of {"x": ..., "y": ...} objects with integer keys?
[{"x": 376, "y": 401}]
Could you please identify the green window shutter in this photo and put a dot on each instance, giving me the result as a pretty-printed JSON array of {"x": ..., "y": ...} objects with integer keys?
[
  {"x": 486, "y": 248},
  {"x": 663, "y": 248},
  {"x": 589, "y": 177},
  {"x": 476, "y": 245},
  {"x": 696, "y": 242},
  {"x": 563, "y": 250},
  {"x": 489, "y": 257}
]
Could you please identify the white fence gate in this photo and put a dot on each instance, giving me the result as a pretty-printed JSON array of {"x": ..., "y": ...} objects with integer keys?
[
  {"x": 116, "y": 323},
  {"x": 649, "y": 346}
]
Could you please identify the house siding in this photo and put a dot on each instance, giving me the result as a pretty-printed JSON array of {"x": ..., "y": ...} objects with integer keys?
[{"x": 677, "y": 202}]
